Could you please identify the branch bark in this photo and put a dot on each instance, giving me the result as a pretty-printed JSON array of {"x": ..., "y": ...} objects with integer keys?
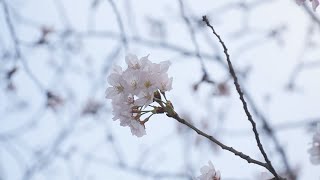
[{"x": 244, "y": 103}]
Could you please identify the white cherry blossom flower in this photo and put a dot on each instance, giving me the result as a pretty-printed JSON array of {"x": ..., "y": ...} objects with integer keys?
[
  {"x": 122, "y": 111},
  {"x": 133, "y": 61},
  {"x": 159, "y": 68},
  {"x": 145, "y": 62},
  {"x": 118, "y": 86},
  {"x": 148, "y": 82},
  {"x": 133, "y": 79},
  {"x": 117, "y": 69},
  {"x": 208, "y": 172},
  {"x": 137, "y": 128},
  {"x": 133, "y": 89},
  {"x": 145, "y": 99},
  {"x": 165, "y": 83}
]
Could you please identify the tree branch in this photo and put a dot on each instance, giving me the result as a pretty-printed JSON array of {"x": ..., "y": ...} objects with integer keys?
[
  {"x": 17, "y": 47},
  {"x": 245, "y": 107},
  {"x": 120, "y": 24},
  {"x": 223, "y": 146}
]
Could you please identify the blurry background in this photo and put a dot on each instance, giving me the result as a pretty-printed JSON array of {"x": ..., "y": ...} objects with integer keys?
[{"x": 55, "y": 122}]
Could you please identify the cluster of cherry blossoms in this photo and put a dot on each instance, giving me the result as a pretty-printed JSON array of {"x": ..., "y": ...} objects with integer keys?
[
  {"x": 314, "y": 151},
  {"x": 315, "y": 3},
  {"x": 209, "y": 173},
  {"x": 134, "y": 89}
]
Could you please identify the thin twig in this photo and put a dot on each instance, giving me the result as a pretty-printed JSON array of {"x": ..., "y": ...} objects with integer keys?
[
  {"x": 17, "y": 46},
  {"x": 193, "y": 36},
  {"x": 245, "y": 107},
  {"x": 205, "y": 75},
  {"x": 120, "y": 24},
  {"x": 270, "y": 132}
]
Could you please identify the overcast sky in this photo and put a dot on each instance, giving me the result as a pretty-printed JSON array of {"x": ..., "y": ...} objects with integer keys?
[{"x": 267, "y": 41}]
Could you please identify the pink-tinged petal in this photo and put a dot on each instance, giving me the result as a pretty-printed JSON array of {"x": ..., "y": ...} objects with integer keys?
[
  {"x": 117, "y": 69},
  {"x": 145, "y": 58},
  {"x": 145, "y": 62},
  {"x": 205, "y": 169},
  {"x": 111, "y": 93},
  {"x": 211, "y": 165},
  {"x": 137, "y": 129},
  {"x": 113, "y": 79},
  {"x": 132, "y": 61},
  {"x": 125, "y": 122},
  {"x": 165, "y": 66}
]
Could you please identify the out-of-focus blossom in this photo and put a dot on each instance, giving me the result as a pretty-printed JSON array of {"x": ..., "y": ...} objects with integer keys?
[
  {"x": 314, "y": 151},
  {"x": 315, "y": 3},
  {"x": 208, "y": 172},
  {"x": 133, "y": 89}
]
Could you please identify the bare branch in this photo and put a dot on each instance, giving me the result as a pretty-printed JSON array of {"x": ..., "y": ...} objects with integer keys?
[
  {"x": 17, "y": 47},
  {"x": 245, "y": 107},
  {"x": 223, "y": 146},
  {"x": 120, "y": 24}
]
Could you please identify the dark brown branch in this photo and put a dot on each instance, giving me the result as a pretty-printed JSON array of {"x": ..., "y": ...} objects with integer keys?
[
  {"x": 223, "y": 146},
  {"x": 245, "y": 107},
  {"x": 270, "y": 132}
]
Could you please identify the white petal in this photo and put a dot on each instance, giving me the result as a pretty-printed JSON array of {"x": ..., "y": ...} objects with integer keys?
[
  {"x": 165, "y": 66},
  {"x": 114, "y": 79},
  {"x": 111, "y": 93},
  {"x": 117, "y": 69},
  {"x": 137, "y": 129},
  {"x": 211, "y": 165},
  {"x": 205, "y": 169},
  {"x": 132, "y": 61}
]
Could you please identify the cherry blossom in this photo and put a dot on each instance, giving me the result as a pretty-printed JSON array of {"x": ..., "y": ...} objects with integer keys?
[
  {"x": 132, "y": 91},
  {"x": 208, "y": 172}
]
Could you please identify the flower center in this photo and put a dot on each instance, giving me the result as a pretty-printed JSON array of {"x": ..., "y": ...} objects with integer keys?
[
  {"x": 134, "y": 84},
  {"x": 136, "y": 66},
  {"x": 147, "y": 84},
  {"x": 119, "y": 88}
]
